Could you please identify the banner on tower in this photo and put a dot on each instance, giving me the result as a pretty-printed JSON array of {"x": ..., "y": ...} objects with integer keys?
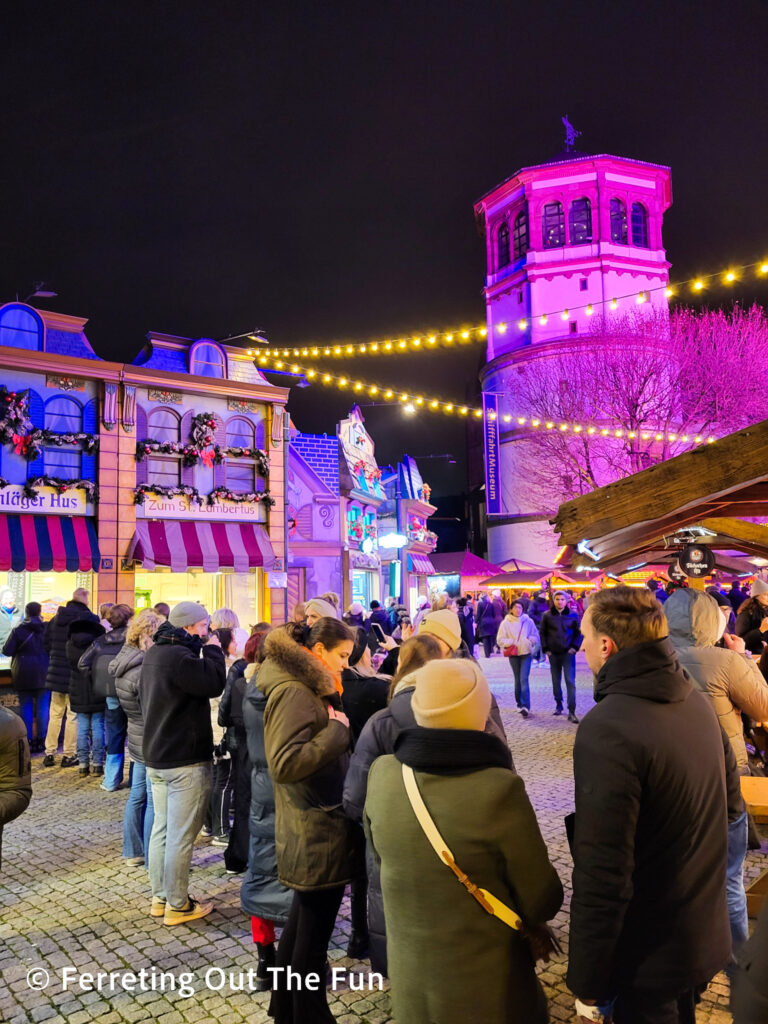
[{"x": 491, "y": 438}]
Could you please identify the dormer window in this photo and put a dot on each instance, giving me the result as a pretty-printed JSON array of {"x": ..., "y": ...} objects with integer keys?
[
  {"x": 207, "y": 359},
  {"x": 21, "y": 327}
]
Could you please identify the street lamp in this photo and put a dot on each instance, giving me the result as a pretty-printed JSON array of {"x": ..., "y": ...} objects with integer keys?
[
  {"x": 445, "y": 455},
  {"x": 256, "y": 335},
  {"x": 39, "y": 291}
]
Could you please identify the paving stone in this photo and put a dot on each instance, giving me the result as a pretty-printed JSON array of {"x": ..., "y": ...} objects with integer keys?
[{"x": 66, "y": 899}]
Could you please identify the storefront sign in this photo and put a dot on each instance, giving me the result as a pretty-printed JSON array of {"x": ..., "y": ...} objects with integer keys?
[
  {"x": 696, "y": 560},
  {"x": 491, "y": 443},
  {"x": 48, "y": 501},
  {"x": 359, "y": 560},
  {"x": 277, "y": 580},
  {"x": 180, "y": 507}
]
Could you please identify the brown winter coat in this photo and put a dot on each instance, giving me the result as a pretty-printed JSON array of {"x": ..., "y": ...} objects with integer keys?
[
  {"x": 449, "y": 961},
  {"x": 307, "y": 754},
  {"x": 733, "y": 681}
]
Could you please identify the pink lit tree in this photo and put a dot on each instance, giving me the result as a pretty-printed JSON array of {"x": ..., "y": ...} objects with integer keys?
[{"x": 685, "y": 374}]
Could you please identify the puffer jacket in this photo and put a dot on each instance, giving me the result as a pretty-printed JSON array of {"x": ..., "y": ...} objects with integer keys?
[
  {"x": 55, "y": 642},
  {"x": 15, "y": 769},
  {"x": 733, "y": 681},
  {"x": 230, "y": 711},
  {"x": 82, "y": 694},
  {"x": 97, "y": 658},
  {"x": 307, "y": 754},
  {"x": 125, "y": 669},
  {"x": 29, "y": 658},
  {"x": 378, "y": 738},
  {"x": 520, "y": 632},
  {"x": 261, "y": 894}
]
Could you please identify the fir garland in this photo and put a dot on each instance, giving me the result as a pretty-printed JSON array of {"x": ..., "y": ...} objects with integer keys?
[
  {"x": 216, "y": 495},
  {"x": 14, "y": 418},
  {"x": 240, "y": 497},
  {"x": 140, "y": 493},
  {"x": 191, "y": 454},
  {"x": 16, "y": 429},
  {"x": 31, "y": 487}
]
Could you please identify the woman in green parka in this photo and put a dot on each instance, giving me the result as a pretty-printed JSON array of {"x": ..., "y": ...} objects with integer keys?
[
  {"x": 306, "y": 738},
  {"x": 449, "y": 961}
]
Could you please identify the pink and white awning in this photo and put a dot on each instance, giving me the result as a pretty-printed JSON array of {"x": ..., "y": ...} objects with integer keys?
[
  {"x": 420, "y": 564},
  {"x": 209, "y": 546}
]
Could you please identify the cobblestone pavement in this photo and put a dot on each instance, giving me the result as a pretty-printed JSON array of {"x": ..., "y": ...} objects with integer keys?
[{"x": 67, "y": 900}]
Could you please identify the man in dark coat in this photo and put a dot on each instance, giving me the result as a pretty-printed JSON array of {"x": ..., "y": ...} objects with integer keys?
[
  {"x": 57, "y": 680},
  {"x": 380, "y": 617},
  {"x": 29, "y": 666},
  {"x": 736, "y": 596},
  {"x": 15, "y": 769},
  {"x": 179, "y": 676},
  {"x": 560, "y": 640},
  {"x": 750, "y": 988},
  {"x": 489, "y": 615},
  {"x": 649, "y": 918}
]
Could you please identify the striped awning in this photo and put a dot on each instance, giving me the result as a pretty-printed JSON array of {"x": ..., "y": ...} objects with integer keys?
[
  {"x": 182, "y": 545},
  {"x": 45, "y": 543},
  {"x": 421, "y": 565}
]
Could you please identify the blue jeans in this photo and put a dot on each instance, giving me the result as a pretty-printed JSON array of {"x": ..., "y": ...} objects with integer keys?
[
  {"x": 35, "y": 704},
  {"x": 180, "y": 796},
  {"x": 565, "y": 664},
  {"x": 521, "y": 669},
  {"x": 115, "y": 728},
  {"x": 734, "y": 882},
  {"x": 90, "y": 734},
  {"x": 139, "y": 814}
]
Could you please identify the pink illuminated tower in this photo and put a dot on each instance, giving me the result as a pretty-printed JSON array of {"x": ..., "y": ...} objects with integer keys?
[{"x": 565, "y": 240}]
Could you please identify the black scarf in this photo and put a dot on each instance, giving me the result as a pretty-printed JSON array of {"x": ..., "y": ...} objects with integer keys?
[
  {"x": 168, "y": 634},
  {"x": 450, "y": 751}
]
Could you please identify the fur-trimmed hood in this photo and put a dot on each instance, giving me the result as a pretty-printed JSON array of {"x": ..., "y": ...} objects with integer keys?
[{"x": 288, "y": 661}]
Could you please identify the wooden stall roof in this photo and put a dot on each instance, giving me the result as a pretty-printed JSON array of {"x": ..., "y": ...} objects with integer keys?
[{"x": 707, "y": 491}]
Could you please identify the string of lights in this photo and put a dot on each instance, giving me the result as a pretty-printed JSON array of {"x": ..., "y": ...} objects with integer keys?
[
  {"x": 414, "y": 402},
  {"x": 426, "y": 342}
]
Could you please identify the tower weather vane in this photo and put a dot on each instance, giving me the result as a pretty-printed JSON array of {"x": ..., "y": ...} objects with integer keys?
[{"x": 571, "y": 134}]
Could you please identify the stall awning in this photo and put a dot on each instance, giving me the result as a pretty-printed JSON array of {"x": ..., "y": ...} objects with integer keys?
[
  {"x": 421, "y": 565},
  {"x": 45, "y": 543},
  {"x": 208, "y": 546}
]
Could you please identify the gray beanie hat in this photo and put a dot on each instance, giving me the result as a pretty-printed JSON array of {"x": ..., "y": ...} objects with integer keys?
[
  {"x": 758, "y": 587},
  {"x": 322, "y": 608},
  {"x": 187, "y": 613}
]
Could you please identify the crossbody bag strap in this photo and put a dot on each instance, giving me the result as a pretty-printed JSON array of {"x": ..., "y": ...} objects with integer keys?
[{"x": 489, "y": 903}]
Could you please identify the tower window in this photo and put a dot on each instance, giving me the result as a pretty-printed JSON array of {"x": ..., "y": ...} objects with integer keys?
[
  {"x": 639, "y": 226},
  {"x": 574, "y": 327},
  {"x": 618, "y": 221},
  {"x": 520, "y": 235},
  {"x": 583, "y": 284},
  {"x": 519, "y": 296},
  {"x": 580, "y": 216},
  {"x": 502, "y": 246},
  {"x": 553, "y": 226}
]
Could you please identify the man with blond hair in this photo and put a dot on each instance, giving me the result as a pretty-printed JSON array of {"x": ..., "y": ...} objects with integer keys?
[{"x": 649, "y": 919}]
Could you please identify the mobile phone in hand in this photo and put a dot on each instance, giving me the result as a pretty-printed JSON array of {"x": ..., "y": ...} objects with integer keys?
[{"x": 378, "y": 632}]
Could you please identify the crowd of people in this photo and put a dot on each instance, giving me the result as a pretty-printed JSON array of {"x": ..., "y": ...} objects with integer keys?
[{"x": 367, "y": 750}]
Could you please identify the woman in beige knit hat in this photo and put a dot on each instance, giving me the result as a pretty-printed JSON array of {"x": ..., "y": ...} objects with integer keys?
[{"x": 449, "y": 961}]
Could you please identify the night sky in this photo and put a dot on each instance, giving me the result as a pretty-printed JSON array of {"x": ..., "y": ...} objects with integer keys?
[{"x": 310, "y": 168}]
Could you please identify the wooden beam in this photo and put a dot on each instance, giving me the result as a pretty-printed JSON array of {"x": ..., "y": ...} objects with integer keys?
[{"x": 712, "y": 471}]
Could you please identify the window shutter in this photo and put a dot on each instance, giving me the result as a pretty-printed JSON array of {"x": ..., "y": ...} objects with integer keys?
[
  {"x": 37, "y": 414},
  {"x": 90, "y": 426}
]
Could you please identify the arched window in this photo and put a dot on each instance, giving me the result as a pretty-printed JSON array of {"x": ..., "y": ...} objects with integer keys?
[
  {"x": 207, "y": 359},
  {"x": 618, "y": 221},
  {"x": 580, "y": 217},
  {"x": 64, "y": 416},
  {"x": 502, "y": 246},
  {"x": 240, "y": 432},
  {"x": 520, "y": 235},
  {"x": 21, "y": 327},
  {"x": 164, "y": 425},
  {"x": 639, "y": 226},
  {"x": 553, "y": 226}
]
